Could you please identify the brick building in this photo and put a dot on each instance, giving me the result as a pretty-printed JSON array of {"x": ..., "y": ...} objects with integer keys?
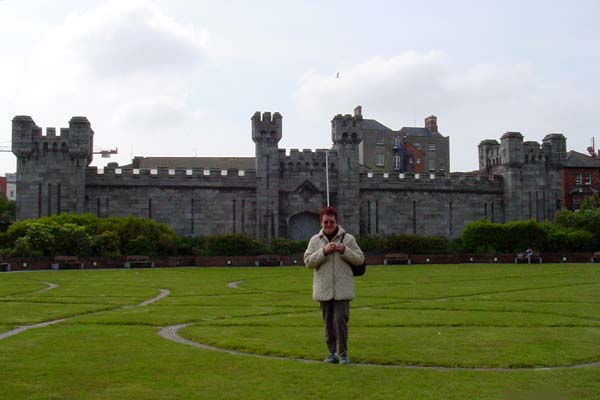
[
  {"x": 409, "y": 149},
  {"x": 581, "y": 178}
]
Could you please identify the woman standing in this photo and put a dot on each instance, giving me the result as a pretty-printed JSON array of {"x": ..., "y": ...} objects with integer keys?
[{"x": 331, "y": 253}]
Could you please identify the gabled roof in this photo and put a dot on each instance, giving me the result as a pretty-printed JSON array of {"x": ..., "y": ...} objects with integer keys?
[
  {"x": 245, "y": 163},
  {"x": 416, "y": 131},
  {"x": 372, "y": 125},
  {"x": 580, "y": 160}
]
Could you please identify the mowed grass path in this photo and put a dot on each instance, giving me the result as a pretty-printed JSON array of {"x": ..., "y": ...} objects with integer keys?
[{"x": 444, "y": 317}]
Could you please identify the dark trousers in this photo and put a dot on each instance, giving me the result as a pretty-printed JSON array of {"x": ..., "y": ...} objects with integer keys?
[{"x": 336, "y": 314}]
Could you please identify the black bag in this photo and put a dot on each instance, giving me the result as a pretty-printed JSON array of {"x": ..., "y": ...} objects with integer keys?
[{"x": 357, "y": 270}]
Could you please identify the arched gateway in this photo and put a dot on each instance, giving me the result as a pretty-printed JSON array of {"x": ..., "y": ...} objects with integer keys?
[{"x": 303, "y": 225}]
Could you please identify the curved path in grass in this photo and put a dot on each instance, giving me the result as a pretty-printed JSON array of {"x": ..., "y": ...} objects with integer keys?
[
  {"x": 234, "y": 285},
  {"x": 20, "y": 329},
  {"x": 172, "y": 333},
  {"x": 50, "y": 287}
]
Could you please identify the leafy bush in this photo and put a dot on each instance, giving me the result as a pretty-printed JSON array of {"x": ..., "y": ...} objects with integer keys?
[
  {"x": 285, "y": 246},
  {"x": 233, "y": 245},
  {"x": 107, "y": 244},
  {"x": 586, "y": 219},
  {"x": 412, "y": 244},
  {"x": 511, "y": 237},
  {"x": 189, "y": 245},
  {"x": 86, "y": 234},
  {"x": 559, "y": 238}
]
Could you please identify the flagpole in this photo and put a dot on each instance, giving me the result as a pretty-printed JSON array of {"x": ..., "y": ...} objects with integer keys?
[{"x": 327, "y": 174}]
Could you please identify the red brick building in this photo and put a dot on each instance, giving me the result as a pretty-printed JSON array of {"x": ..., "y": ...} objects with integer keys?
[
  {"x": 580, "y": 178},
  {"x": 2, "y": 186}
]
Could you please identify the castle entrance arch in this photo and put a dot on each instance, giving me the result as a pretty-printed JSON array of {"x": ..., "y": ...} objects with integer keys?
[{"x": 303, "y": 225}]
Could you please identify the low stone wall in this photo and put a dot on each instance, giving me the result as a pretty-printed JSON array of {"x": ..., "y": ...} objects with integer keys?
[{"x": 45, "y": 263}]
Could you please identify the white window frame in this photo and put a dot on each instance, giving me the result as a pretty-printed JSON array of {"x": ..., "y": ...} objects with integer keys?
[
  {"x": 587, "y": 179},
  {"x": 380, "y": 140},
  {"x": 578, "y": 179},
  {"x": 432, "y": 147},
  {"x": 432, "y": 165},
  {"x": 396, "y": 162},
  {"x": 380, "y": 160},
  {"x": 418, "y": 145}
]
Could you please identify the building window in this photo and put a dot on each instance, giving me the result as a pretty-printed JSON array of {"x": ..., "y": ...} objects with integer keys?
[
  {"x": 588, "y": 179},
  {"x": 578, "y": 179},
  {"x": 380, "y": 160},
  {"x": 418, "y": 146},
  {"x": 379, "y": 139},
  {"x": 418, "y": 161},
  {"x": 432, "y": 165},
  {"x": 396, "y": 142},
  {"x": 576, "y": 203},
  {"x": 432, "y": 147},
  {"x": 396, "y": 162}
]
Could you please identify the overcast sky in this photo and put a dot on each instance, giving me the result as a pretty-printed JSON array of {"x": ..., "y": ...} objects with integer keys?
[{"x": 183, "y": 78}]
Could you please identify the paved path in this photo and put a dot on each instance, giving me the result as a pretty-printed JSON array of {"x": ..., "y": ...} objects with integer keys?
[
  {"x": 172, "y": 333},
  {"x": 20, "y": 329},
  {"x": 234, "y": 285},
  {"x": 50, "y": 287}
]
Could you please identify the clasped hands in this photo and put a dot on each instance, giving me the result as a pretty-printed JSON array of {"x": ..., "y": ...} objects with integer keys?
[{"x": 334, "y": 247}]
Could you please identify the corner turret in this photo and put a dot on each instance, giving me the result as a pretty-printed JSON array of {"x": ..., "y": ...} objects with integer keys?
[
  {"x": 51, "y": 167},
  {"x": 347, "y": 129},
  {"x": 511, "y": 149},
  {"x": 557, "y": 146},
  {"x": 266, "y": 129}
]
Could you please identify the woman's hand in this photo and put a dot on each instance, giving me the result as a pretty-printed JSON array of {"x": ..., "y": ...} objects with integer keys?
[{"x": 330, "y": 248}]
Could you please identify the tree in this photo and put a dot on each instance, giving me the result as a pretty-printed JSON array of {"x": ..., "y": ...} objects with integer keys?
[{"x": 8, "y": 210}]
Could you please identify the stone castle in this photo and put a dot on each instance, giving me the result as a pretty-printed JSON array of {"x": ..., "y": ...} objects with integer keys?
[{"x": 381, "y": 181}]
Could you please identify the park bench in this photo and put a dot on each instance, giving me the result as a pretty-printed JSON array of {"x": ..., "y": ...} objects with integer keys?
[
  {"x": 596, "y": 257},
  {"x": 138, "y": 262},
  {"x": 396, "y": 259},
  {"x": 268, "y": 260},
  {"x": 525, "y": 258},
  {"x": 4, "y": 266},
  {"x": 67, "y": 262}
]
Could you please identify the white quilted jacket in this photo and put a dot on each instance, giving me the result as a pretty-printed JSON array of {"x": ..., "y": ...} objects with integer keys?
[{"x": 332, "y": 277}]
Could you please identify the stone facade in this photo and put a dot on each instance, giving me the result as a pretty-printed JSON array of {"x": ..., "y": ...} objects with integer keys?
[{"x": 282, "y": 195}]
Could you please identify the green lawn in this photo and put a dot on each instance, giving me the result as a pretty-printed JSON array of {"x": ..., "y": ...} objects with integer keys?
[{"x": 449, "y": 316}]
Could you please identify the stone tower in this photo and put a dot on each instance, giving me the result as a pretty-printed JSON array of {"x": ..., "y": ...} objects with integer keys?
[
  {"x": 346, "y": 134},
  {"x": 51, "y": 168},
  {"x": 266, "y": 134},
  {"x": 530, "y": 171}
]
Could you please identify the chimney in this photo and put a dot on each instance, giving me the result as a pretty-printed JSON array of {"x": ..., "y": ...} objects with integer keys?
[
  {"x": 358, "y": 111},
  {"x": 431, "y": 123}
]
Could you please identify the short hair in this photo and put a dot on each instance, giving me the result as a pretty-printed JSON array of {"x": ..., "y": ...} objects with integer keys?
[{"x": 327, "y": 211}]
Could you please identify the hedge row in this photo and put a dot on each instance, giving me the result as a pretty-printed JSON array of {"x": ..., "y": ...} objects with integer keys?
[
  {"x": 514, "y": 237},
  {"x": 88, "y": 235}
]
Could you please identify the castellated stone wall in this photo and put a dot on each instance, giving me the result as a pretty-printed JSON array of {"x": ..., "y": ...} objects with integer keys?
[
  {"x": 192, "y": 202},
  {"x": 282, "y": 196},
  {"x": 427, "y": 205}
]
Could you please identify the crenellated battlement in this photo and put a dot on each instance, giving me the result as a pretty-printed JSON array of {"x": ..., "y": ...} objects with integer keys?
[
  {"x": 513, "y": 151},
  {"x": 29, "y": 140},
  {"x": 266, "y": 128},
  {"x": 455, "y": 182},
  {"x": 347, "y": 129},
  {"x": 307, "y": 160},
  {"x": 159, "y": 177}
]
